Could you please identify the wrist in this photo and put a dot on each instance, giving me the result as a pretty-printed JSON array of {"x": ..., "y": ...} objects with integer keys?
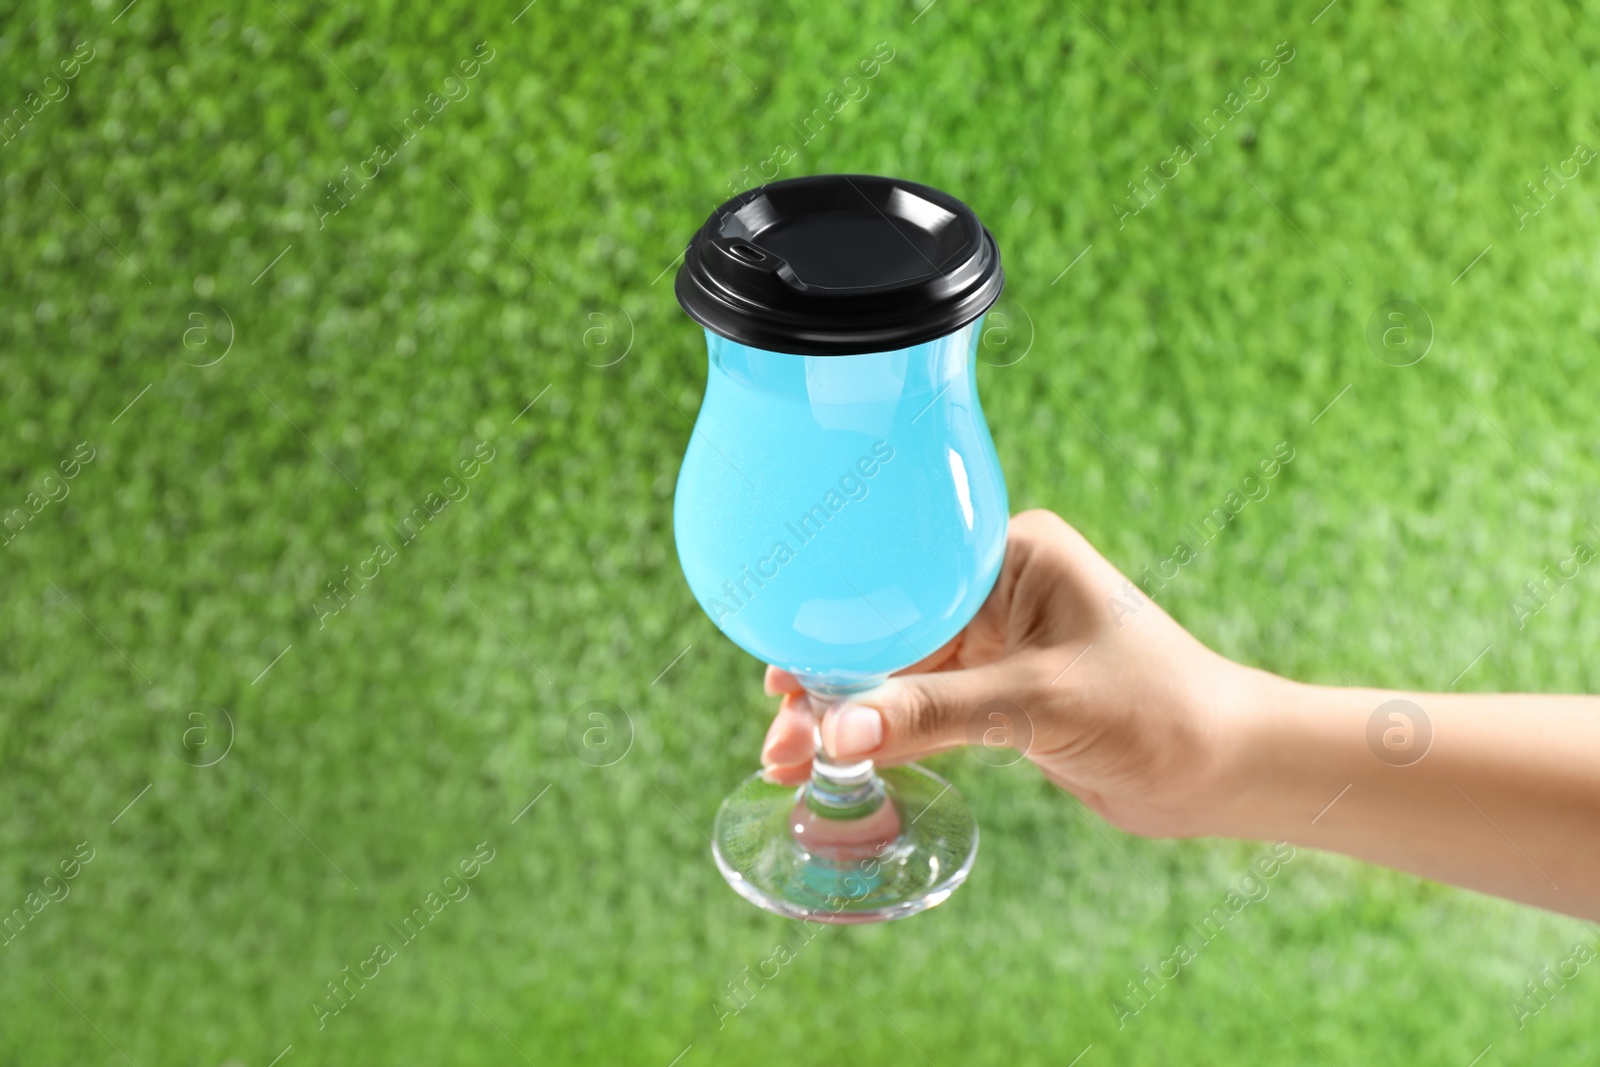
[
  {"x": 1206, "y": 751},
  {"x": 1252, "y": 776}
]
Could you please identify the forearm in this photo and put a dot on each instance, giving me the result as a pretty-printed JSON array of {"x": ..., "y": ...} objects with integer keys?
[{"x": 1504, "y": 798}]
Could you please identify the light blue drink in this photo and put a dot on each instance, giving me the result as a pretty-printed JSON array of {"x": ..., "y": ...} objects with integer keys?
[{"x": 841, "y": 517}]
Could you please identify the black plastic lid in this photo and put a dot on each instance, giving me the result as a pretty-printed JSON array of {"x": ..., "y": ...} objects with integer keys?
[{"x": 839, "y": 264}]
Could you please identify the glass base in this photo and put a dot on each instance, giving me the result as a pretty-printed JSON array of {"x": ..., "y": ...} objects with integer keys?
[{"x": 789, "y": 856}]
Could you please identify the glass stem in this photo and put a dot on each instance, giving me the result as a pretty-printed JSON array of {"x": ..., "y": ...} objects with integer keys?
[{"x": 839, "y": 790}]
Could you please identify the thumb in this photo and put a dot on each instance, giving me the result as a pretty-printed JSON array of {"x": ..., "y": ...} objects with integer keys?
[{"x": 913, "y": 715}]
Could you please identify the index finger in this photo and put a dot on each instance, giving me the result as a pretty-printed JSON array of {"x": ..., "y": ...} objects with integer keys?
[{"x": 778, "y": 682}]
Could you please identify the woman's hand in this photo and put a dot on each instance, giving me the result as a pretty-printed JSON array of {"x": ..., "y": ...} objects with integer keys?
[
  {"x": 1117, "y": 704},
  {"x": 1106, "y": 694}
]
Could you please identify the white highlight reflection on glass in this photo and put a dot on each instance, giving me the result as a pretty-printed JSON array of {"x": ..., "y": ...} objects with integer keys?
[{"x": 958, "y": 471}]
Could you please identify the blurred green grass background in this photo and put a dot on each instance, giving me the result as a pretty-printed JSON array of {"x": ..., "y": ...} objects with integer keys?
[{"x": 385, "y": 342}]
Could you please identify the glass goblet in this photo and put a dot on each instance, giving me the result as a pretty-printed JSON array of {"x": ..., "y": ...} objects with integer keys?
[{"x": 840, "y": 512}]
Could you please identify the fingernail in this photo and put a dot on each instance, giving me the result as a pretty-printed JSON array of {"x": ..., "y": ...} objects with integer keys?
[{"x": 857, "y": 730}]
